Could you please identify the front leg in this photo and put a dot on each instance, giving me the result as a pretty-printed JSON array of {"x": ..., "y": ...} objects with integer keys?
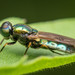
[
  {"x": 11, "y": 43},
  {"x": 27, "y": 48},
  {"x": 1, "y": 41}
]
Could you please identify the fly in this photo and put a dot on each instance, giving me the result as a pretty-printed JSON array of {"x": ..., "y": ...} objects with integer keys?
[{"x": 30, "y": 37}]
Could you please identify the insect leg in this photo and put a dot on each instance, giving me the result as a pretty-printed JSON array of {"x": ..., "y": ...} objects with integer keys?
[
  {"x": 1, "y": 41},
  {"x": 27, "y": 48},
  {"x": 44, "y": 46},
  {"x": 11, "y": 43},
  {"x": 56, "y": 52}
]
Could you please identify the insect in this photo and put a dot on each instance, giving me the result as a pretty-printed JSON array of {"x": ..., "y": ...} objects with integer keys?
[{"x": 30, "y": 37}]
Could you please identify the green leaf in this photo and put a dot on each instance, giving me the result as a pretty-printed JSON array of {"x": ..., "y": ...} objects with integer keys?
[{"x": 13, "y": 61}]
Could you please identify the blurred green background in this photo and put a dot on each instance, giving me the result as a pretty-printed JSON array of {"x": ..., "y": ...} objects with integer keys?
[{"x": 37, "y": 11}]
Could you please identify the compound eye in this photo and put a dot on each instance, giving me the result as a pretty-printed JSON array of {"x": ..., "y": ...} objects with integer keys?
[
  {"x": 6, "y": 27},
  {"x": 53, "y": 44},
  {"x": 62, "y": 47}
]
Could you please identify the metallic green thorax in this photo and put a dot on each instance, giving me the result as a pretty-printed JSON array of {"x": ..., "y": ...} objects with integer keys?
[
  {"x": 20, "y": 33},
  {"x": 19, "y": 28}
]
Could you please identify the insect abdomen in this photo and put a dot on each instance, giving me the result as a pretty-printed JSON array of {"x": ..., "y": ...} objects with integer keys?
[{"x": 58, "y": 46}]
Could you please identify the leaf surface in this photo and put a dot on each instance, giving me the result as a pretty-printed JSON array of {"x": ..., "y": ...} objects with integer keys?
[{"x": 13, "y": 61}]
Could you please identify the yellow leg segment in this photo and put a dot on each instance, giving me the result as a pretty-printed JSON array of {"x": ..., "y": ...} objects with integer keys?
[{"x": 27, "y": 48}]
